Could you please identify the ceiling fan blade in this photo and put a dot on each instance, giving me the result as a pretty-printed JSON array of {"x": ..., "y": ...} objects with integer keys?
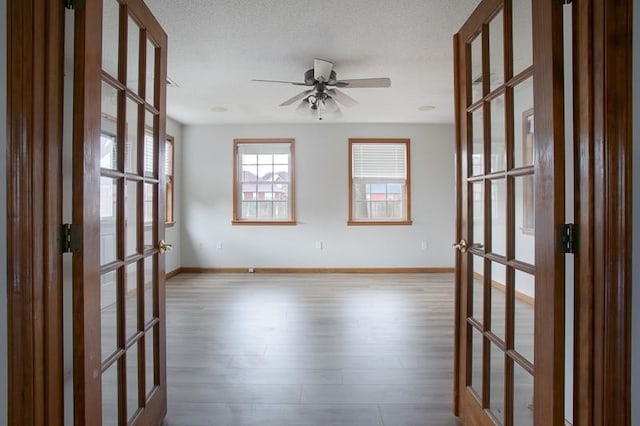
[
  {"x": 335, "y": 114},
  {"x": 364, "y": 82},
  {"x": 322, "y": 70},
  {"x": 303, "y": 107},
  {"x": 342, "y": 98},
  {"x": 297, "y": 97},
  {"x": 295, "y": 83},
  {"x": 331, "y": 105}
]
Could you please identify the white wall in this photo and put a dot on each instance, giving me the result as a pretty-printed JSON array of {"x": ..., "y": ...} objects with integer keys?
[
  {"x": 635, "y": 385},
  {"x": 3, "y": 214},
  {"x": 321, "y": 177},
  {"x": 172, "y": 235}
]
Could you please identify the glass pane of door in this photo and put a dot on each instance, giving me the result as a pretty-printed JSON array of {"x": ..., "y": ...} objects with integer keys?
[
  {"x": 133, "y": 55},
  {"x": 476, "y": 362},
  {"x": 133, "y": 397},
  {"x": 523, "y": 37},
  {"x": 496, "y": 51},
  {"x": 109, "y": 314},
  {"x": 498, "y": 217},
  {"x": 496, "y": 383},
  {"x": 110, "y": 396},
  {"x": 523, "y": 397},
  {"x": 110, "y": 31},
  {"x": 498, "y": 158},
  {"x": 524, "y": 307},
  {"x": 150, "y": 361},
  {"x": 476, "y": 69},
  {"x": 523, "y": 123},
  {"x": 498, "y": 300}
]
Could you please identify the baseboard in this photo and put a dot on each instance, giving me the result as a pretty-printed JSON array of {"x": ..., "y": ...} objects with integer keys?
[
  {"x": 173, "y": 273},
  {"x": 198, "y": 270}
]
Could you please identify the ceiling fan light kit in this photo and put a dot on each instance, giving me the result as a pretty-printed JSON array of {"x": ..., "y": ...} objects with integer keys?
[{"x": 324, "y": 96}]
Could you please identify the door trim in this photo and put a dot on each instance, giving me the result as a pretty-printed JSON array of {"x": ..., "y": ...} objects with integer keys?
[
  {"x": 35, "y": 34},
  {"x": 86, "y": 107},
  {"x": 458, "y": 179},
  {"x": 603, "y": 139}
]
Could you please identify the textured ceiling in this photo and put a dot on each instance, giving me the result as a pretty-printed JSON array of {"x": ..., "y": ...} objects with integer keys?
[{"x": 217, "y": 47}]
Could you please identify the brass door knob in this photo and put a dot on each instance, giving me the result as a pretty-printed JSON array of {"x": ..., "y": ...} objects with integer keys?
[
  {"x": 164, "y": 246},
  {"x": 462, "y": 246}
]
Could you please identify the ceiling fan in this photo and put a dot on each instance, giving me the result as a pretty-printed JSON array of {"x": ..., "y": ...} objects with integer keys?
[{"x": 323, "y": 95}]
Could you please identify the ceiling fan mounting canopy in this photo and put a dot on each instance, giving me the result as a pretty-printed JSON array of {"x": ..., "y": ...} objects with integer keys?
[
  {"x": 323, "y": 94},
  {"x": 310, "y": 78}
]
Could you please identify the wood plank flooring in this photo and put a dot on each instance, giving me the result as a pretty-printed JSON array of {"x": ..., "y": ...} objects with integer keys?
[{"x": 307, "y": 350}]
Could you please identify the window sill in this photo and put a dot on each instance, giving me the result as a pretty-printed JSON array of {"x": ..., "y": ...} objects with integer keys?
[
  {"x": 264, "y": 222},
  {"x": 379, "y": 222}
]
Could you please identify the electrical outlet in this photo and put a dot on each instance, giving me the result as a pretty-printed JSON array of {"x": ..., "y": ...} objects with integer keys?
[
  {"x": 219, "y": 245},
  {"x": 424, "y": 245},
  {"x": 319, "y": 245}
]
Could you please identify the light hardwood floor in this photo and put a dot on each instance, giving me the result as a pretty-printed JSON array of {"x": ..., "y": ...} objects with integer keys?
[{"x": 310, "y": 349}]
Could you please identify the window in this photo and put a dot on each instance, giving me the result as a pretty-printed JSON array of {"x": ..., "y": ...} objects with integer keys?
[
  {"x": 149, "y": 195},
  {"x": 263, "y": 182},
  {"x": 379, "y": 182},
  {"x": 168, "y": 171}
]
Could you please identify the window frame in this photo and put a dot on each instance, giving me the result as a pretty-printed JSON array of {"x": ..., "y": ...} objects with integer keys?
[
  {"x": 237, "y": 220},
  {"x": 406, "y": 220}
]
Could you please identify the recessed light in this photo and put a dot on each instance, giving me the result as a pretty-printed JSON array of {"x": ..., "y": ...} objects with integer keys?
[
  {"x": 426, "y": 108},
  {"x": 219, "y": 109}
]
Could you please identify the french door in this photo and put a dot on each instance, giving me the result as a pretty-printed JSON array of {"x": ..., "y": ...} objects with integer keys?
[
  {"x": 510, "y": 131},
  {"x": 118, "y": 191}
]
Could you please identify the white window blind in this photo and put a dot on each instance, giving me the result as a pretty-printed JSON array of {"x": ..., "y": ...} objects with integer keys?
[
  {"x": 168, "y": 159},
  {"x": 267, "y": 148},
  {"x": 148, "y": 153},
  {"x": 380, "y": 162}
]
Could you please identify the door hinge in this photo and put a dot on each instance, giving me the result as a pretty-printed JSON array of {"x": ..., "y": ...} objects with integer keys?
[
  {"x": 70, "y": 238},
  {"x": 568, "y": 238},
  {"x": 72, "y": 4}
]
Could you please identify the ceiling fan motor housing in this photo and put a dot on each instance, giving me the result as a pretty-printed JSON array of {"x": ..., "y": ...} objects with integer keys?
[{"x": 309, "y": 78}]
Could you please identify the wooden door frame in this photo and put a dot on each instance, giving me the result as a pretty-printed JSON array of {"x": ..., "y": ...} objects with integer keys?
[
  {"x": 603, "y": 152},
  {"x": 35, "y": 44},
  {"x": 549, "y": 153},
  {"x": 602, "y": 54}
]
